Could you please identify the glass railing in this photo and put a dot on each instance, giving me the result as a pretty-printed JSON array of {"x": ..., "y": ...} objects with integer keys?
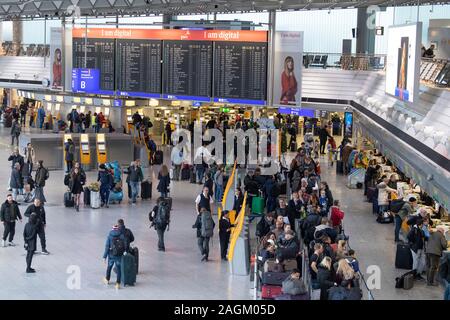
[
  {"x": 344, "y": 61},
  {"x": 8, "y": 48}
]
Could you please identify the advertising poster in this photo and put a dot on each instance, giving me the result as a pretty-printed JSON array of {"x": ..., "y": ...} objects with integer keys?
[
  {"x": 287, "y": 76},
  {"x": 56, "y": 69},
  {"x": 403, "y": 61},
  {"x": 348, "y": 124}
]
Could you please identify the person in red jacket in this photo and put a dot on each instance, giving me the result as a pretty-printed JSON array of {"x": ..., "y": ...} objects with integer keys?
[
  {"x": 288, "y": 82},
  {"x": 336, "y": 216}
]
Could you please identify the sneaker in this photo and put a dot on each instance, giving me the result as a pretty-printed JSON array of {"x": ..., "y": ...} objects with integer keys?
[
  {"x": 11, "y": 244},
  {"x": 45, "y": 252},
  {"x": 117, "y": 286},
  {"x": 105, "y": 281}
]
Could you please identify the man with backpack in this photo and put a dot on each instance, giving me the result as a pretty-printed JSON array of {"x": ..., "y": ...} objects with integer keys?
[
  {"x": 115, "y": 247},
  {"x": 41, "y": 176},
  {"x": 205, "y": 229},
  {"x": 129, "y": 236},
  {"x": 160, "y": 219},
  {"x": 416, "y": 240}
]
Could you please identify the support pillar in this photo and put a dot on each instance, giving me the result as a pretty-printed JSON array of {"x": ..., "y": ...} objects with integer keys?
[
  {"x": 17, "y": 35},
  {"x": 365, "y": 37}
]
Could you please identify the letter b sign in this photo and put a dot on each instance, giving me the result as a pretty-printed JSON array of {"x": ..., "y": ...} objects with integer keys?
[{"x": 83, "y": 84}]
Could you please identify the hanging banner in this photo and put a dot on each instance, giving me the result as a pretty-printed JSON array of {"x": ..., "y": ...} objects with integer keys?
[
  {"x": 56, "y": 69},
  {"x": 287, "y": 76}
]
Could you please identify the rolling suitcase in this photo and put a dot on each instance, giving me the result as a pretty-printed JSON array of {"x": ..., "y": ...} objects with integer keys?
[
  {"x": 86, "y": 196},
  {"x": 274, "y": 278},
  {"x": 68, "y": 200},
  {"x": 146, "y": 190},
  {"x": 135, "y": 253},
  {"x": 339, "y": 167},
  {"x": 270, "y": 292},
  {"x": 128, "y": 269},
  {"x": 400, "y": 281},
  {"x": 257, "y": 205},
  {"x": 159, "y": 157},
  {"x": 408, "y": 281},
  {"x": 403, "y": 257},
  {"x": 95, "y": 199}
]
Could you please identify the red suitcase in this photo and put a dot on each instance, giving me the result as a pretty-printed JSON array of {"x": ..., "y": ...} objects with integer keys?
[{"x": 270, "y": 292}]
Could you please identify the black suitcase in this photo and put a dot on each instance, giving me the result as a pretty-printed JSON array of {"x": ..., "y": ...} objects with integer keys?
[
  {"x": 371, "y": 193},
  {"x": 146, "y": 190},
  {"x": 294, "y": 146},
  {"x": 87, "y": 196},
  {"x": 68, "y": 200},
  {"x": 185, "y": 174},
  {"x": 403, "y": 257},
  {"x": 135, "y": 252},
  {"x": 159, "y": 157},
  {"x": 339, "y": 167},
  {"x": 274, "y": 278},
  {"x": 128, "y": 270}
]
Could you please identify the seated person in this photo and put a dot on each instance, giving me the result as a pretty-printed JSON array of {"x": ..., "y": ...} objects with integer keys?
[{"x": 293, "y": 285}]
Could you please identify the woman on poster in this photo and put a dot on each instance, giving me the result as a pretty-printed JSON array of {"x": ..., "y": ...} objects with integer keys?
[
  {"x": 288, "y": 82},
  {"x": 57, "y": 69}
]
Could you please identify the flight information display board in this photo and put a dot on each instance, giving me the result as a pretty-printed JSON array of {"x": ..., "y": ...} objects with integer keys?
[
  {"x": 138, "y": 68},
  {"x": 99, "y": 55},
  {"x": 240, "y": 72},
  {"x": 187, "y": 67}
]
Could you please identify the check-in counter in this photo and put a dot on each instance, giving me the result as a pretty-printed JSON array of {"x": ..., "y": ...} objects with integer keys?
[{"x": 49, "y": 147}]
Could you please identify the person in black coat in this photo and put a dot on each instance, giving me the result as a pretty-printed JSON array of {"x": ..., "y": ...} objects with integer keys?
[
  {"x": 264, "y": 225},
  {"x": 224, "y": 233},
  {"x": 238, "y": 201},
  {"x": 30, "y": 237},
  {"x": 210, "y": 184},
  {"x": 324, "y": 277},
  {"x": 164, "y": 181},
  {"x": 9, "y": 213},
  {"x": 323, "y": 137},
  {"x": 76, "y": 183},
  {"x": 39, "y": 210},
  {"x": 295, "y": 208}
]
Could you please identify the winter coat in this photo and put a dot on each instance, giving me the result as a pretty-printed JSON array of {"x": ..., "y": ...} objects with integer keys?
[
  {"x": 10, "y": 212},
  {"x": 16, "y": 159},
  {"x": 109, "y": 240},
  {"x": 263, "y": 227},
  {"x": 30, "y": 235},
  {"x": 325, "y": 281},
  {"x": 135, "y": 174},
  {"x": 436, "y": 243},
  {"x": 416, "y": 238},
  {"x": 15, "y": 129},
  {"x": 336, "y": 216},
  {"x": 41, "y": 175},
  {"x": 76, "y": 184},
  {"x": 105, "y": 178},
  {"x": 164, "y": 182},
  {"x": 30, "y": 155},
  {"x": 40, "y": 212},
  {"x": 16, "y": 181}
]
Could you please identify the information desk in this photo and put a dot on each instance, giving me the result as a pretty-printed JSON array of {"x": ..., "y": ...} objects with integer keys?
[{"x": 49, "y": 147}]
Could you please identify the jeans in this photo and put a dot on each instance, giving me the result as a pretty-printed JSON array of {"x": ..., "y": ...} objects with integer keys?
[
  {"x": 29, "y": 258},
  {"x": 41, "y": 123},
  {"x": 218, "y": 192},
  {"x": 200, "y": 173},
  {"x": 176, "y": 172},
  {"x": 69, "y": 165},
  {"x": 104, "y": 193},
  {"x": 419, "y": 261},
  {"x": 22, "y": 119},
  {"x": 10, "y": 229},
  {"x": 203, "y": 245},
  {"x": 164, "y": 194},
  {"x": 433, "y": 266},
  {"x": 134, "y": 190},
  {"x": 111, "y": 262},
  {"x": 15, "y": 137},
  {"x": 15, "y": 192},
  {"x": 160, "y": 233},
  {"x": 30, "y": 167},
  {"x": 383, "y": 208},
  {"x": 398, "y": 226}
]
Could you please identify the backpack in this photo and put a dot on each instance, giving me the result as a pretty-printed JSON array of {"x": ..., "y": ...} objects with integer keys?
[
  {"x": 117, "y": 246},
  {"x": 396, "y": 205},
  {"x": 162, "y": 217},
  {"x": 207, "y": 227}
]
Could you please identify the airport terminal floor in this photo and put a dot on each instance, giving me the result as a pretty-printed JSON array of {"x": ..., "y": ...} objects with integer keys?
[{"x": 76, "y": 240}]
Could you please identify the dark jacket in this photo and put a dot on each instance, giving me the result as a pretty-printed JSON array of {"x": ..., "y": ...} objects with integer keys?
[
  {"x": 70, "y": 151},
  {"x": 436, "y": 243},
  {"x": 238, "y": 201},
  {"x": 16, "y": 181},
  {"x": 263, "y": 227},
  {"x": 108, "y": 245},
  {"x": 224, "y": 225},
  {"x": 416, "y": 238},
  {"x": 10, "y": 212},
  {"x": 294, "y": 211},
  {"x": 76, "y": 184},
  {"x": 135, "y": 174},
  {"x": 40, "y": 212},
  {"x": 41, "y": 175},
  {"x": 29, "y": 235},
  {"x": 265, "y": 255},
  {"x": 323, "y": 134},
  {"x": 15, "y": 129},
  {"x": 16, "y": 159},
  {"x": 324, "y": 278},
  {"x": 105, "y": 178},
  {"x": 163, "y": 184},
  {"x": 129, "y": 236},
  {"x": 287, "y": 249}
]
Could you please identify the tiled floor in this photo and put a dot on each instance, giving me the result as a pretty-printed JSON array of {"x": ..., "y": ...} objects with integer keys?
[{"x": 76, "y": 240}]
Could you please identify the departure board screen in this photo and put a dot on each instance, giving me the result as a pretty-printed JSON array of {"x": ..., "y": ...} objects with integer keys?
[
  {"x": 100, "y": 55},
  {"x": 240, "y": 72},
  {"x": 138, "y": 68},
  {"x": 187, "y": 67}
]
